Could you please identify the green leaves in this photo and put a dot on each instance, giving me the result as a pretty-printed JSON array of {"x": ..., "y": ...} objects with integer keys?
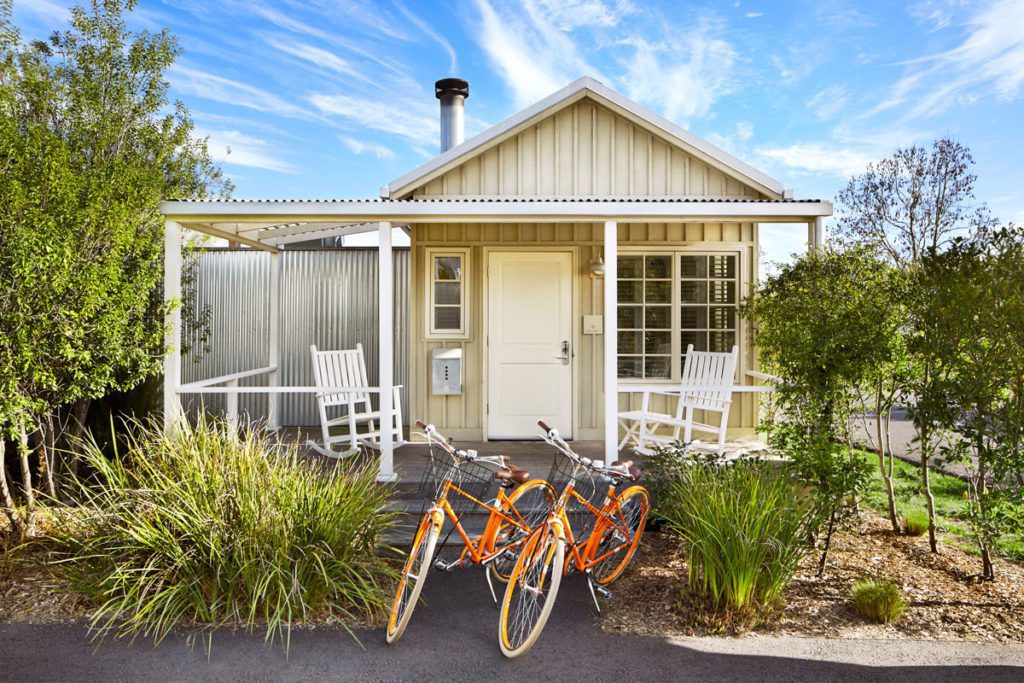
[{"x": 87, "y": 150}]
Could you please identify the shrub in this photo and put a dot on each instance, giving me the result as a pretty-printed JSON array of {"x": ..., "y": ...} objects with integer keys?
[
  {"x": 915, "y": 522},
  {"x": 746, "y": 527},
  {"x": 878, "y": 600},
  {"x": 207, "y": 528}
]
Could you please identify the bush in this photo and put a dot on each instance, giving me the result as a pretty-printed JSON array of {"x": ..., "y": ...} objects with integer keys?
[
  {"x": 747, "y": 529},
  {"x": 915, "y": 522},
  {"x": 207, "y": 528},
  {"x": 878, "y": 600}
]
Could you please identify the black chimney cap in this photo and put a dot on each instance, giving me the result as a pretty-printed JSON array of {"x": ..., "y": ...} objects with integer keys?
[{"x": 451, "y": 86}]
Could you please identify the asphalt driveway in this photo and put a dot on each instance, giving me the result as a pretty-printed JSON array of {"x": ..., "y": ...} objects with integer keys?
[{"x": 453, "y": 638}]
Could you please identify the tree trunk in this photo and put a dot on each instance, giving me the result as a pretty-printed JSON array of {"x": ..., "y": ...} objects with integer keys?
[
  {"x": 79, "y": 411},
  {"x": 988, "y": 572},
  {"x": 926, "y": 484},
  {"x": 42, "y": 439},
  {"x": 828, "y": 543},
  {"x": 26, "y": 474},
  {"x": 5, "y": 490},
  {"x": 886, "y": 476}
]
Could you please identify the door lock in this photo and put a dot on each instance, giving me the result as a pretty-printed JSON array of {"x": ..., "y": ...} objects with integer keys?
[{"x": 565, "y": 357}]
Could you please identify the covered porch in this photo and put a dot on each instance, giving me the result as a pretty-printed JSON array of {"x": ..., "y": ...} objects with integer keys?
[{"x": 272, "y": 225}]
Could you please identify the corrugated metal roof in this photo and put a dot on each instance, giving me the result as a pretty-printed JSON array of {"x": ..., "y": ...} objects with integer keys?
[{"x": 517, "y": 200}]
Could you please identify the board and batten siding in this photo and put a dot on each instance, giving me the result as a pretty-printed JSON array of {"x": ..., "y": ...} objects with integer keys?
[
  {"x": 463, "y": 416},
  {"x": 585, "y": 150}
]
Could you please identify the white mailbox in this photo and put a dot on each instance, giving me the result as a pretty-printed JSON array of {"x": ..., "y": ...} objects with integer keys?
[{"x": 447, "y": 371}]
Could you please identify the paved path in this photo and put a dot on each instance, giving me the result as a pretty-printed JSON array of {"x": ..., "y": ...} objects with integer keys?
[{"x": 453, "y": 638}]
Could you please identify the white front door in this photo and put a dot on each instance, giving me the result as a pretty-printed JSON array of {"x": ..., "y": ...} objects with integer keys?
[{"x": 529, "y": 336}]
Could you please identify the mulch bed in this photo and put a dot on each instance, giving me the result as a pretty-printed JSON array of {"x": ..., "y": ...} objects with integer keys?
[{"x": 946, "y": 599}]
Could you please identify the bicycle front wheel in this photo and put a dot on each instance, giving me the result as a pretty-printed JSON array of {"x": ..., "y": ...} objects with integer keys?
[
  {"x": 616, "y": 537},
  {"x": 531, "y": 591},
  {"x": 533, "y": 501},
  {"x": 414, "y": 575}
]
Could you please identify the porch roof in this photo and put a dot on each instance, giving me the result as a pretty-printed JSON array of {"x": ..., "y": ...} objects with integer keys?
[{"x": 268, "y": 224}]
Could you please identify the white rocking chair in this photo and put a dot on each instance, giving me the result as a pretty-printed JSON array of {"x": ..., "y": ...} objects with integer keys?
[
  {"x": 706, "y": 385},
  {"x": 348, "y": 369}
]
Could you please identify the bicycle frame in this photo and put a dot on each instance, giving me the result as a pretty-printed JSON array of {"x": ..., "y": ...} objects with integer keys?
[
  {"x": 482, "y": 550},
  {"x": 603, "y": 515}
]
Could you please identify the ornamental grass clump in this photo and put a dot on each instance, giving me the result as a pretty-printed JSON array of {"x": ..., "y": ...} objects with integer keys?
[
  {"x": 746, "y": 527},
  {"x": 915, "y": 522},
  {"x": 878, "y": 600},
  {"x": 208, "y": 527}
]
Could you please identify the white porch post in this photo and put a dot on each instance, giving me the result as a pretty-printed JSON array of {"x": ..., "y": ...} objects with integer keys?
[
  {"x": 815, "y": 233},
  {"x": 274, "y": 341},
  {"x": 172, "y": 340},
  {"x": 385, "y": 352},
  {"x": 611, "y": 341}
]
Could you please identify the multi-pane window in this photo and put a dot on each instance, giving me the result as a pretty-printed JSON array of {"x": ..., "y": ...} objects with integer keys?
[
  {"x": 447, "y": 294},
  {"x": 668, "y": 301}
]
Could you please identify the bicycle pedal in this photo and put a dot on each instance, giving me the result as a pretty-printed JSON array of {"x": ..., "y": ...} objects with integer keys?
[
  {"x": 446, "y": 566},
  {"x": 603, "y": 591}
]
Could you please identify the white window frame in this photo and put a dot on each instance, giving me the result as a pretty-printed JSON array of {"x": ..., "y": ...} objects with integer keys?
[
  {"x": 678, "y": 350},
  {"x": 432, "y": 332}
]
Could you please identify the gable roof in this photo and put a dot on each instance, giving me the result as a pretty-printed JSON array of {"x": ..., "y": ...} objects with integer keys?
[{"x": 575, "y": 91}]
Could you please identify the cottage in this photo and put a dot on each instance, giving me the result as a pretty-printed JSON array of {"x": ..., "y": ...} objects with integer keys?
[{"x": 560, "y": 260}]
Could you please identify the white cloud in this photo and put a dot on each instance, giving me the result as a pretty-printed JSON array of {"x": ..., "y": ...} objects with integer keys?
[
  {"x": 989, "y": 62},
  {"x": 753, "y": 15},
  {"x": 227, "y": 91},
  {"x": 812, "y": 157},
  {"x": 453, "y": 62},
  {"x": 570, "y": 14},
  {"x": 744, "y": 130},
  {"x": 828, "y": 102},
  {"x": 360, "y": 147},
  {"x": 411, "y": 119},
  {"x": 236, "y": 148},
  {"x": 533, "y": 56},
  {"x": 682, "y": 77},
  {"x": 315, "y": 55}
]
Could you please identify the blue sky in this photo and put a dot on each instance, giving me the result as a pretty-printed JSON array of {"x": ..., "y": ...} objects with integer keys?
[{"x": 334, "y": 98}]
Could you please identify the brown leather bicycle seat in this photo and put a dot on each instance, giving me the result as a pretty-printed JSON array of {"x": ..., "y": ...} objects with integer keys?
[
  {"x": 634, "y": 472},
  {"x": 513, "y": 474}
]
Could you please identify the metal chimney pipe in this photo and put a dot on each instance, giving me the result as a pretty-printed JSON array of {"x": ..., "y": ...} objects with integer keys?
[{"x": 453, "y": 93}]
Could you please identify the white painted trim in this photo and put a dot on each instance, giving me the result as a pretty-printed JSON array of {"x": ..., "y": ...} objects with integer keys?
[
  {"x": 385, "y": 350},
  {"x": 575, "y": 91},
  {"x": 200, "y": 215},
  {"x": 234, "y": 376},
  {"x": 429, "y": 333},
  {"x": 274, "y": 338},
  {"x": 611, "y": 341},
  {"x": 172, "y": 340}
]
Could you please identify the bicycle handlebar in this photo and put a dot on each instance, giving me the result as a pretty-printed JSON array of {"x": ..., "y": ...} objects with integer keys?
[
  {"x": 421, "y": 424},
  {"x": 544, "y": 426}
]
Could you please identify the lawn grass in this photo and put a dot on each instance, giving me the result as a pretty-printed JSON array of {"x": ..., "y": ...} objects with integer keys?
[{"x": 950, "y": 504}]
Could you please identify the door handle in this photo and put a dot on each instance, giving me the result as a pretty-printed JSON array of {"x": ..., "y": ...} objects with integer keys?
[{"x": 565, "y": 357}]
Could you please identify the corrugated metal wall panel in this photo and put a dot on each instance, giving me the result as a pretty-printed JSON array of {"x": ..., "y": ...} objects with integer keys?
[{"x": 328, "y": 298}]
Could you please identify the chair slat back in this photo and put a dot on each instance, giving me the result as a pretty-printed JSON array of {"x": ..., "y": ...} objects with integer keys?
[
  {"x": 345, "y": 368},
  {"x": 712, "y": 369}
]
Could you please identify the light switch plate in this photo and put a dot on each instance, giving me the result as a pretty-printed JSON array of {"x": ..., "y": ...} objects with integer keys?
[{"x": 593, "y": 324}]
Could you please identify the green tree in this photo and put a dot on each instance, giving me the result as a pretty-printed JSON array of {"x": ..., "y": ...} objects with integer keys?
[
  {"x": 969, "y": 317},
  {"x": 824, "y": 325},
  {"x": 89, "y": 144}
]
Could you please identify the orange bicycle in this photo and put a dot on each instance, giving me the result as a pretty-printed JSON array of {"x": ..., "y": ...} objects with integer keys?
[
  {"x": 467, "y": 475},
  {"x": 602, "y": 554}
]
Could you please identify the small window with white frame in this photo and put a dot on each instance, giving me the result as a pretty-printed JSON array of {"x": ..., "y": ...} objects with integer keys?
[{"x": 447, "y": 293}]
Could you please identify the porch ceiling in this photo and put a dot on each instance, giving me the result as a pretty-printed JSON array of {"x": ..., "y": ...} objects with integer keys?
[{"x": 268, "y": 224}]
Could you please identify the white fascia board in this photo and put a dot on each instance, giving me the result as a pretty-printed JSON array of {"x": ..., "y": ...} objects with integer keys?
[
  {"x": 199, "y": 215},
  {"x": 568, "y": 95},
  {"x": 320, "y": 233}
]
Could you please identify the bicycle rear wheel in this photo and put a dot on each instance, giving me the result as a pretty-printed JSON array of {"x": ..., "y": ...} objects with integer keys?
[
  {"x": 609, "y": 545},
  {"x": 414, "y": 575},
  {"x": 531, "y": 591},
  {"x": 533, "y": 501}
]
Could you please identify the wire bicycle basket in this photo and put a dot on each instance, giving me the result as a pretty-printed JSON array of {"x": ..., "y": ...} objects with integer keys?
[{"x": 470, "y": 477}]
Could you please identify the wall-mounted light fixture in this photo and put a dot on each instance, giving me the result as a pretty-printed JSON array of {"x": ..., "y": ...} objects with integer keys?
[{"x": 597, "y": 267}]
